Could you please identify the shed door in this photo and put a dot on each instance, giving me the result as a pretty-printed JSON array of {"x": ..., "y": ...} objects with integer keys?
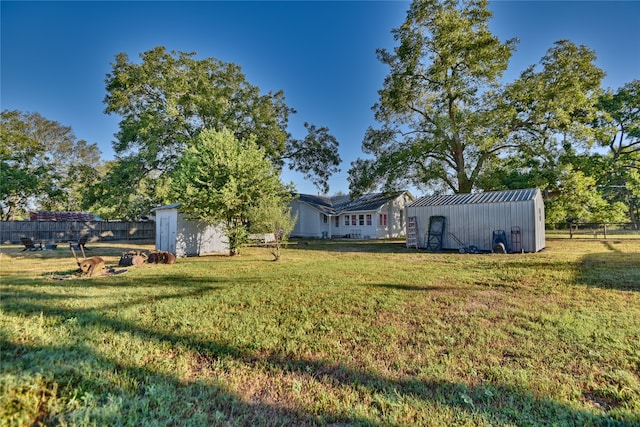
[{"x": 165, "y": 232}]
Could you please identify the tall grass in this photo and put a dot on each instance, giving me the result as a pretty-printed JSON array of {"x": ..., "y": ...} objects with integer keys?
[{"x": 360, "y": 333}]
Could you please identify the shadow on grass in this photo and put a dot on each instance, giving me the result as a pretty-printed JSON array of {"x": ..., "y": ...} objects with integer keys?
[
  {"x": 368, "y": 246},
  {"x": 63, "y": 251},
  {"x": 78, "y": 372},
  {"x": 416, "y": 288},
  {"x": 610, "y": 270},
  {"x": 203, "y": 404}
]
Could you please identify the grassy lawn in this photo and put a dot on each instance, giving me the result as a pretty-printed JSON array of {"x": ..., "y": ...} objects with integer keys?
[{"x": 337, "y": 333}]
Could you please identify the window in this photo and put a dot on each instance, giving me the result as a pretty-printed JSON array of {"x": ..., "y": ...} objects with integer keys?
[
  {"x": 324, "y": 218},
  {"x": 368, "y": 219},
  {"x": 401, "y": 218},
  {"x": 361, "y": 219},
  {"x": 382, "y": 220},
  {"x": 353, "y": 220},
  {"x": 346, "y": 220},
  {"x": 337, "y": 222}
]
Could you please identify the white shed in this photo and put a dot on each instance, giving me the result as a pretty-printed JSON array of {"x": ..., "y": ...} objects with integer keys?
[
  {"x": 183, "y": 237},
  {"x": 471, "y": 219}
]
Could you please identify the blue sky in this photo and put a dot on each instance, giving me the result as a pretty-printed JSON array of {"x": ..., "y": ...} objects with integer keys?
[{"x": 55, "y": 55}]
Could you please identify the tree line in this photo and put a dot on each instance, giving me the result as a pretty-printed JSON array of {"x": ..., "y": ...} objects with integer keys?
[{"x": 196, "y": 131}]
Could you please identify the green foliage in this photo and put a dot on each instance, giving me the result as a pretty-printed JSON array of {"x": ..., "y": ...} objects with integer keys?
[
  {"x": 621, "y": 112},
  {"x": 223, "y": 180},
  {"x": 619, "y": 125},
  {"x": 437, "y": 105},
  {"x": 316, "y": 156},
  {"x": 557, "y": 101},
  {"x": 578, "y": 200},
  {"x": 446, "y": 118},
  {"x": 169, "y": 98},
  {"x": 42, "y": 164},
  {"x": 272, "y": 215},
  {"x": 120, "y": 193}
]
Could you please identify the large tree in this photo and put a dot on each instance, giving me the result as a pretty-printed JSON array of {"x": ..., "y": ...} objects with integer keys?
[
  {"x": 43, "y": 165},
  {"x": 446, "y": 117},
  {"x": 577, "y": 199},
  {"x": 622, "y": 115},
  {"x": 223, "y": 180},
  {"x": 551, "y": 108},
  {"x": 437, "y": 103},
  {"x": 618, "y": 172},
  {"x": 169, "y": 98}
]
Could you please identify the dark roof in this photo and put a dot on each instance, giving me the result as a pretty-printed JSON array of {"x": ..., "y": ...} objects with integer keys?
[
  {"x": 477, "y": 198},
  {"x": 338, "y": 204}
]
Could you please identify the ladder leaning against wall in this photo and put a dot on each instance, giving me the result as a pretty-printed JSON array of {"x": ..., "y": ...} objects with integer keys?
[{"x": 412, "y": 232}]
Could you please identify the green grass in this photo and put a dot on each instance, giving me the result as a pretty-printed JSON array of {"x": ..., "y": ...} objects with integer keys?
[{"x": 342, "y": 333}]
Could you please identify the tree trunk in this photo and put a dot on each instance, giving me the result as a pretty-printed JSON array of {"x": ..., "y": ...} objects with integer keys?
[{"x": 632, "y": 216}]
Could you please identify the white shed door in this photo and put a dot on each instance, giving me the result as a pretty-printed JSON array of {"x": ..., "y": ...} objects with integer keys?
[{"x": 165, "y": 232}]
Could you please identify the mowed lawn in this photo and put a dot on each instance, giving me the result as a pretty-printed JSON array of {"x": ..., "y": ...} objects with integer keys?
[{"x": 337, "y": 333}]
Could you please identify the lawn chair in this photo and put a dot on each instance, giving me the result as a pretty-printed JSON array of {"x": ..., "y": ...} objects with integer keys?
[
  {"x": 80, "y": 243},
  {"x": 30, "y": 245}
]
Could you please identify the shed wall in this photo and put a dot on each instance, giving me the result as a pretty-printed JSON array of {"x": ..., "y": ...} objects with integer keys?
[
  {"x": 473, "y": 224},
  {"x": 176, "y": 234},
  {"x": 195, "y": 238}
]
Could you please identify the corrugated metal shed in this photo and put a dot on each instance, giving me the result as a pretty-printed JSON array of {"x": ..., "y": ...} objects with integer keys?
[{"x": 472, "y": 218}]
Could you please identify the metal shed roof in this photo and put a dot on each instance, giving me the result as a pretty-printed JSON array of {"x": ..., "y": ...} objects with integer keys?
[{"x": 477, "y": 198}]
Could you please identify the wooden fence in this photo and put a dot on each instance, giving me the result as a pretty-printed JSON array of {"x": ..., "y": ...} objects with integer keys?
[{"x": 62, "y": 231}]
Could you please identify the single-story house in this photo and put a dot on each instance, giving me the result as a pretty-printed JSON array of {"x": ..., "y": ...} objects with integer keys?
[
  {"x": 372, "y": 216},
  {"x": 477, "y": 220},
  {"x": 181, "y": 236}
]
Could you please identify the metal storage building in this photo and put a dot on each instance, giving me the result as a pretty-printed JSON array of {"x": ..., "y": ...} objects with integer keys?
[
  {"x": 183, "y": 237},
  {"x": 471, "y": 219}
]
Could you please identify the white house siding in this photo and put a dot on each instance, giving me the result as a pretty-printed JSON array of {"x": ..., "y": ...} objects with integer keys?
[
  {"x": 396, "y": 211},
  {"x": 474, "y": 223},
  {"x": 311, "y": 216},
  {"x": 358, "y": 231},
  {"x": 309, "y": 222}
]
